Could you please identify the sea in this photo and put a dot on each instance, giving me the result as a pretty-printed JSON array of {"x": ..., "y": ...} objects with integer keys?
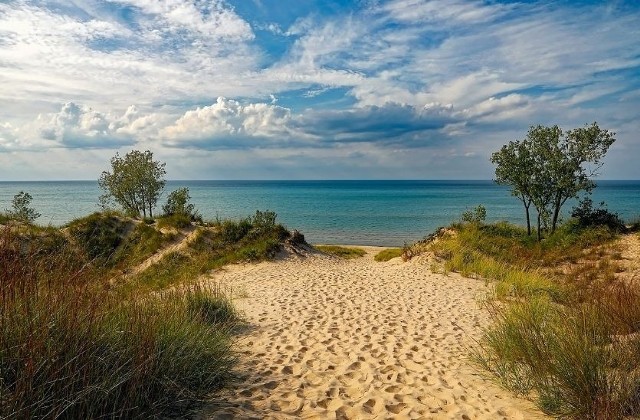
[{"x": 384, "y": 213}]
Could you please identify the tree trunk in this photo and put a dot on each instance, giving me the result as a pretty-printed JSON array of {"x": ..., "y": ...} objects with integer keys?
[
  {"x": 528, "y": 219},
  {"x": 556, "y": 213},
  {"x": 539, "y": 229}
]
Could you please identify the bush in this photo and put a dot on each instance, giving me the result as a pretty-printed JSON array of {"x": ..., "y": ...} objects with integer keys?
[
  {"x": 587, "y": 216},
  {"x": 178, "y": 204},
  {"x": 20, "y": 208},
  {"x": 475, "y": 216}
]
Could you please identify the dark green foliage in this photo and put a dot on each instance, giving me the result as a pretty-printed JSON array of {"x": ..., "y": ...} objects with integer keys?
[
  {"x": 99, "y": 235},
  {"x": 20, "y": 209},
  {"x": 587, "y": 216}
]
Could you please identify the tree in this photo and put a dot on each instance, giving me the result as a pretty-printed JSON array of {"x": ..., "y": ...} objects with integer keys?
[
  {"x": 135, "y": 182},
  {"x": 178, "y": 203},
  {"x": 549, "y": 167},
  {"x": 20, "y": 208},
  {"x": 509, "y": 161}
]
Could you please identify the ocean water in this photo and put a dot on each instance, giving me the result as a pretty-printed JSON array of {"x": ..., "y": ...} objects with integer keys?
[{"x": 388, "y": 213}]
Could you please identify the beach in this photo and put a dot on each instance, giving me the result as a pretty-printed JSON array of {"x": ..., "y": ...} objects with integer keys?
[{"x": 355, "y": 339}]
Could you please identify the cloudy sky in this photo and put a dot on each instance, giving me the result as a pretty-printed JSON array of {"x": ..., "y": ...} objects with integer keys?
[{"x": 314, "y": 89}]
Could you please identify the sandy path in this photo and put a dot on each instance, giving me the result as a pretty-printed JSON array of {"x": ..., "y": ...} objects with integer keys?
[{"x": 332, "y": 338}]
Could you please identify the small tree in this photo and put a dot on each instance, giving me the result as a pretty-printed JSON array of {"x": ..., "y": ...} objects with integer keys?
[
  {"x": 178, "y": 203},
  {"x": 549, "y": 167},
  {"x": 475, "y": 216},
  {"x": 20, "y": 209},
  {"x": 135, "y": 182}
]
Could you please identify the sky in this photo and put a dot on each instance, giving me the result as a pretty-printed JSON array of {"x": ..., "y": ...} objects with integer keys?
[{"x": 314, "y": 89}]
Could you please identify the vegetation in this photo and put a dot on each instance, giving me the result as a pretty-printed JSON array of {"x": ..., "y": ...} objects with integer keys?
[
  {"x": 225, "y": 242},
  {"x": 565, "y": 323},
  {"x": 77, "y": 343},
  {"x": 21, "y": 210},
  {"x": 71, "y": 348},
  {"x": 342, "y": 251},
  {"x": 549, "y": 167},
  {"x": 178, "y": 203},
  {"x": 135, "y": 183},
  {"x": 387, "y": 254}
]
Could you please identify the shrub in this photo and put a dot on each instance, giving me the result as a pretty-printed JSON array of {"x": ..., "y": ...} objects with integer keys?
[
  {"x": 476, "y": 216},
  {"x": 20, "y": 209},
  {"x": 99, "y": 235},
  {"x": 587, "y": 216},
  {"x": 178, "y": 204}
]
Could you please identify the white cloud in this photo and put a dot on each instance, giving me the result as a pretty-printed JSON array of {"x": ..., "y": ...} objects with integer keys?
[
  {"x": 83, "y": 127},
  {"x": 229, "y": 124}
]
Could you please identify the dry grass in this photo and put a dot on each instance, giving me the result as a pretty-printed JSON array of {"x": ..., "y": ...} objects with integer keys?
[
  {"x": 70, "y": 348},
  {"x": 566, "y": 328}
]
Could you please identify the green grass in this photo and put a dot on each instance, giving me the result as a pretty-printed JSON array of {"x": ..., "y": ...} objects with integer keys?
[
  {"x": 226, "y": 242},
  {"x": 565, "y": 328},
  {"x": 387, "y": 254},
  {"x": 74, "y": 344},
  {"x": 341, "y": 251},
  {"x": 69, "y": 348}
]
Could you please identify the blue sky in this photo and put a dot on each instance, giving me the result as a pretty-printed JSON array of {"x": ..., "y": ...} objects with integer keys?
[{"x": 276, "y": 89}]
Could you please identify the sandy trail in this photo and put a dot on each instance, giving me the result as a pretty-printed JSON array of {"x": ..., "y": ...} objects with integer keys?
[{"x": 357, "y": 339}]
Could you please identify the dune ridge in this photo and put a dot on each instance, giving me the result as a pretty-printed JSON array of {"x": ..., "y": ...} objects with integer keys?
[{"x": 358, "y": 339}]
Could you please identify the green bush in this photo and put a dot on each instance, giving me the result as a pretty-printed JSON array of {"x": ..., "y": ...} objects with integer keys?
[{"x": 587, "y": 216}]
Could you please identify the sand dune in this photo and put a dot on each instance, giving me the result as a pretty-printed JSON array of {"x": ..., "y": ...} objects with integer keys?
[{"x": 357, "y": 339}]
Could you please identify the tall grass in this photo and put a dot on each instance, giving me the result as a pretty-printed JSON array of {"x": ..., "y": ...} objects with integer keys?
[
  {"x": 566, "y": 328},
  {"x": 69, "y": 348}
]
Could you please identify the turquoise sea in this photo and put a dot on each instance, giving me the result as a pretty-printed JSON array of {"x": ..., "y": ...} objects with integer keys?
[{"x": 387, "y": 213}]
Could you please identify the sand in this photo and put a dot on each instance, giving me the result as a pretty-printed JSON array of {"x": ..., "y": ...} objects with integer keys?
[{"x": 332, "y": 338}]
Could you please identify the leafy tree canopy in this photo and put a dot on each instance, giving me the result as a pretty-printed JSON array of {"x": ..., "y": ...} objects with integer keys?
[{"x": 135, "y": 182}]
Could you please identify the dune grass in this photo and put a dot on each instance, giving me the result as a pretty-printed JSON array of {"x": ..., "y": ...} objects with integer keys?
[
  {"x": 341, "y": 251},
  {"x": 565, "y": 328},
  {"x": 387, "y": 254},
  {"x": 226, "y": 242},
  {"x": 71, "y": 349},
  {"x": 75, "y": 345}
]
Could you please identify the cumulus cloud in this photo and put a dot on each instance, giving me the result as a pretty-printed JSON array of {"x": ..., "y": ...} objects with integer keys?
[
  {"x": 80, "y": 126},
  {"x": 230, "y": 124}
]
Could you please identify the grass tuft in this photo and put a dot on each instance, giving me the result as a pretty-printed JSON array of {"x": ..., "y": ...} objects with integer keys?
[
  {"x": 70, "y": 348},
  {"x": 342, "y": 251},
  {"x": 566, "y": 328},
  {"x": 387, "y": 254}
]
